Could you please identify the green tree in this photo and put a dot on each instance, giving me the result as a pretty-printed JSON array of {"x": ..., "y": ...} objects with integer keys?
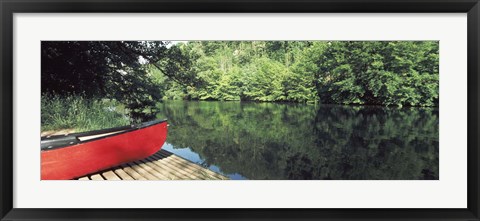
[
  {"x": 111, "y": 69},
  {"x": 383, "y": 73}
]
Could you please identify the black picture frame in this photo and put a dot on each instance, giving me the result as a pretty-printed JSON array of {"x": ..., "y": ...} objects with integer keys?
[{"x": 9, "y": 7}]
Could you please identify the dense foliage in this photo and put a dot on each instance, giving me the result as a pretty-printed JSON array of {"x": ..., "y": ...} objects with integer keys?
[
  {"x": 109, "y": 69},
  {"x": 383, "y": 73},
  {"x": 80, "y": 114},
  {"x": 341, "y": 72},
  {"x": 140, "y": 73}
]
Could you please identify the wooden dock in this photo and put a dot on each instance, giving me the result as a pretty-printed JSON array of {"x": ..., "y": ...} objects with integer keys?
[{"x": 162, "y": 165}]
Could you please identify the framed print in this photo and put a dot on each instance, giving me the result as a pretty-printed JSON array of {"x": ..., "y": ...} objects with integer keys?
[{"x": 239, "y": 110}]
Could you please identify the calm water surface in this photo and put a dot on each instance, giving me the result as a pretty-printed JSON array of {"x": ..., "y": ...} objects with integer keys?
[{"x": 272, "y": 141}]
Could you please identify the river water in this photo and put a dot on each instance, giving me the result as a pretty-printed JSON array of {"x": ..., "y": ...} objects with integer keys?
[{"x": 278, "y": 141}]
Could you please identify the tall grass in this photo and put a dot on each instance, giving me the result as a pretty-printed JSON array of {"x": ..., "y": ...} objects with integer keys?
[{"x": 80, "y": 114}]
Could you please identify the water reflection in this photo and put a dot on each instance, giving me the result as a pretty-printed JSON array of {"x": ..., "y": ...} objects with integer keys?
[
  {"x": 195, "y": 157},
  {"x": 297, "y": 141}
]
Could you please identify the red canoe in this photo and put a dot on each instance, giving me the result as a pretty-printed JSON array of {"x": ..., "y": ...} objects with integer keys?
[{"x": 74, "y": 155}]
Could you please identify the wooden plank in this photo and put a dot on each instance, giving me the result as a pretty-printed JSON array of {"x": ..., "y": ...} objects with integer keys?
[
  {"x": 168, "y": 169},
  {"x": 175, "y": 170},
  {"x": 165, "y": 172},
  {"x": 131, "y": 172},
  {"x": 96, "y": 177},
  {"x": 201, "y": 173},
  {"x": 195, "y": 168},
  {"x": 156, "y": 157},
  {"x": 162, "y": 165},
  {"x": 207, "y": 174},
  {"x": 152, "y": 170},
  {"x": 142, "y": 172},
  {"x": 163, "y": 153},
  {"x": 122, "y": 174},
  {"x": 179, "y": 168},
  {"x": 110, "y": 175},
  {"x": 187, "y": 166},
  {"x": 198, "y": 167},
  {"x": 208, "y": 171}
]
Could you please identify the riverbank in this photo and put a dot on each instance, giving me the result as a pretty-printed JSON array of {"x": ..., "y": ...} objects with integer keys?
[{"x": 80, "y": 114}]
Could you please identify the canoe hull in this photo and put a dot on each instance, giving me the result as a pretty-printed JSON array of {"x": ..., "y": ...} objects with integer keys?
[{"x": 96, "y": 155}]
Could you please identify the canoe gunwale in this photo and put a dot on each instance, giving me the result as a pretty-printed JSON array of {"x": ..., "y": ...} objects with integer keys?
[{"x": 73, "y": 137}]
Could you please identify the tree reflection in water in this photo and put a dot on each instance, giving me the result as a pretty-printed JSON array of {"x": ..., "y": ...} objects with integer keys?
[{"x": 298, "y": 141}]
